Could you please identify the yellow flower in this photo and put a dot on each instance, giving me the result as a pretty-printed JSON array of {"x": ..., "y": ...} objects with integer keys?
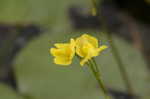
[
  {"x": 63, "y": 53},
  {"x": 87, "y": 47}
]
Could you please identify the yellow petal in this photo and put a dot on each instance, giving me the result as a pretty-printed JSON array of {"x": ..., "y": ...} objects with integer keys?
[
  {"x": 62, "y": 61},
  {"x": 53, "y": 51},
  {"x": 87, "y": 47},
  {"x": 64, "y": 52},
  {"x": 57, "y": 52},
  {"x": 92, "y": 40},
  {"x": 72, "y": 42},
  {"x": 101, "y": 48},
  {"x": 61, "y": 45},
  {"x": 84, "y": 60},
  {"x": 79, "y": 46}
]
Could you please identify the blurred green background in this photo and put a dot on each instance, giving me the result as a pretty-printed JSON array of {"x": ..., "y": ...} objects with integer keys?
[{"x": 38, "y": 77}]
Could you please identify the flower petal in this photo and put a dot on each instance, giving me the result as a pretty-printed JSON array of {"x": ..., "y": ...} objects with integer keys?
[
  {"x": 101, "y": 48},
  {"x": 87, "y": 47},
  {"x": 92, "y": 40},
  {"x": 61, "y": 45},
  {"x": 83, "y": 61},
  {"x": 62, "y": 61},
  {"x": 64, "y": 52}
]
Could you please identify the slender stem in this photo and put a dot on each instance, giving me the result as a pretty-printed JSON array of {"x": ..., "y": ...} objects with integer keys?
[
  {"x": 114, "y": 50},
  {"x": 96, "y": 73},
  {"x": 94, "y": 3},
  {"x": 120, "y": 66},
  {"x": 95, "y": 64}
]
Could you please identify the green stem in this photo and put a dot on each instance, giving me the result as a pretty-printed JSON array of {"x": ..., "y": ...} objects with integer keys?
[
  {"x": 121, "y": 66},
  {"x": 95, "y": 64},
  {"x": 114, "y": 50},
  {"x": 94, "y": 3},
  {"x": 96, "y": 73}
]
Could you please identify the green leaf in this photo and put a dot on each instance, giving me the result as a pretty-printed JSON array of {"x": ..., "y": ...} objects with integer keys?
[
  {"x": 8, "y": 93},
  {"x": 39, "y": 77}
]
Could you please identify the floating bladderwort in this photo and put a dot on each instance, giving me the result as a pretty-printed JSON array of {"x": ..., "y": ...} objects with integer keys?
[{"x": 86, "y": 47}]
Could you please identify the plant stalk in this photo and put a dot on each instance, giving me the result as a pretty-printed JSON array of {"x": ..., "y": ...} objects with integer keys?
[
  {"x": 114, "y": 50},
  {"x": 97, "y": 75}
]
